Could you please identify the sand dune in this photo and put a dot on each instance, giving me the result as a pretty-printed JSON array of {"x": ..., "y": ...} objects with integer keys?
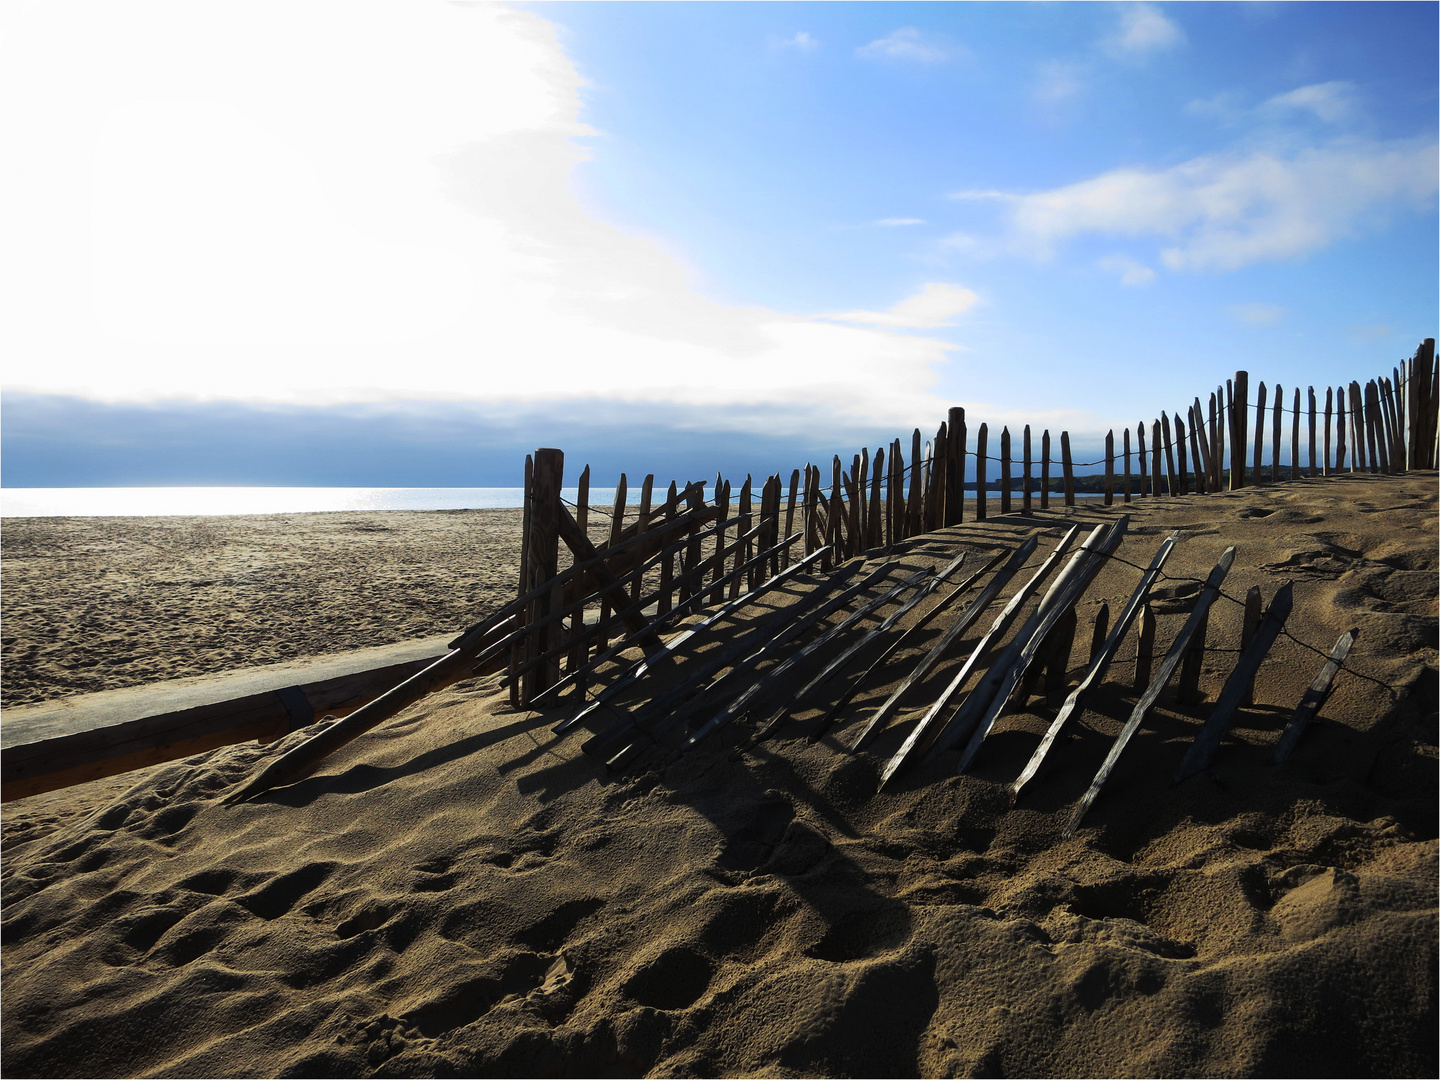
[{"x": 462, "y": 893}]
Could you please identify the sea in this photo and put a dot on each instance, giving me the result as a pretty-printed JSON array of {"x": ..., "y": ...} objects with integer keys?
[{"x": 187, "y": 501}]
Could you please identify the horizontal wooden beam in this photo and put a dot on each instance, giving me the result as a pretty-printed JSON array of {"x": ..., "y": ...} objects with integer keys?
[{"x": 92, "y": 736}]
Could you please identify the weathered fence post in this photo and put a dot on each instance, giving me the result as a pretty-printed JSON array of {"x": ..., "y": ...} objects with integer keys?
[
  {"x": 1239, "y": 441},
  {"x": 877, "y": 507},
  {"x": 862, "y": 485},
  {"x": 1140, "y": 458},
  {"x": 1027, "y": 479},
  {"x": 1295, "y": 438},
  {"x": 1420, "y": 407},
  {"x": 1275, "y": 435},
  {"x": 912, "y": 504},
  {"x": 1260, "y": 435},
  {"x": 1045, "y": 470},
  {"x": 955, "y": 474},
  {"x": 856, "y": 520},
  {"x": 1155, "y": 458},
  {"x": 789, "y": 514},
  {"x": 1252, "y": 618},
  {"x": 1126, "y": 433},
  {"x": 1340, "y": 429},
  {"x": 1311, "y": 391},
  {"x": 1207, "y": 458},
  {"x": 544, "y": 560},
  {"x": 1217, "y": 445},
  {"x": 1357, "y": 430},
  {"x": 1109, "y": 468},
  {"x": 1170, "y": 479},
  {"x": 981, "y": 445},
  {"x": 1182, "y": 477},
  {"x": 1005, "y": 470},
  {"x": 1069, "y": 468},
  {"x": 1376, "y": 426}
]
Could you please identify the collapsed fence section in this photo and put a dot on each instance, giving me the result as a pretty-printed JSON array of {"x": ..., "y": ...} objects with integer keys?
[{"x": 681, "y": 552}]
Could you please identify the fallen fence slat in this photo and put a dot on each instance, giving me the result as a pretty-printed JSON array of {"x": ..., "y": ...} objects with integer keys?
[
  {"x": 1098, "y": 663},
  {"x": 738, "y": 706},
  {"x": 649, "y": 629},
  {"x": 1147, "y": 700},
  {"x": 1202, "y": 750},
  {"x": 1315, "y": 697},
  {"x": 824, "y": 723},
  {"x": 984, "y": 705},
  {"x": 640, "y": 668},
  {"x": 947, "y": 641},
  {"x": 737, "y": 646},
  {"x": 849, "y": 652},
  {"x": 916, "y": 740},
  {"x": 674, "y": 707}
]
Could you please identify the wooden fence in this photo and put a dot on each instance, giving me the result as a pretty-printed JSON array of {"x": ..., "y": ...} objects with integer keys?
[{"x": 681, "y": 552}]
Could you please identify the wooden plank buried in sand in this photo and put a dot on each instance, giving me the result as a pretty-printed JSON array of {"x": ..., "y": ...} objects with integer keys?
[
  {"x": 848, "y": 653},
  {"x": 677, "y": 703},
  {"x": 91, "y": 736},
  {"x": 741, "y": 703},
  {"x": 947, "y": 641},
  {"x": 824, "y": 723},
  {"x": 800, "y": 622},
  {"x": 917, "y": 740},
  {"x": 1202, "y": 750},
  {"x": 641, "y": 667},
  {"x": 1315, "y": 697},
  {"x": 984, "y": 705},
  {"x": 1098, "y": 664},
  {"x": 300, "y": 761},
  {"x": 1147, "y": 700}
]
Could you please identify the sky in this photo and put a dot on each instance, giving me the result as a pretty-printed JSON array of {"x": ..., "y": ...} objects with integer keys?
[{"x": 405, "y": 244}]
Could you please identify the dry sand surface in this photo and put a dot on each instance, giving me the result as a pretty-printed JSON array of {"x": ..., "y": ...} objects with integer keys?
[
  {"x": 462, "y": 893},
  {"x": 103, "y": 603}
]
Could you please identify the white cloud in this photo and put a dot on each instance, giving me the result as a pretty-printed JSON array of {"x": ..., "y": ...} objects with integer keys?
[
  {"x": 935, "y": 305},
  {"x": 800, "y": 41},
  {"x": 1225, "y": 211},
  {"x": 1058, "y": 82},
  {"x": 1130, "y": 271},
  {"x": 897, "y": 221},
  {"x": 361, "y": 230},
  {"x": 908, "y": 43},
  {"x": 1226, "y": 106},
  {"x": 1143, "y": 30},
  {"x": 1332, "y": 102},
  {"x": 1257, "y": 314}
]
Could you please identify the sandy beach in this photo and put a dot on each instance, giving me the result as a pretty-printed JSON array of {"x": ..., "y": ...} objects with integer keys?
[{"x": 462, "y": 893}]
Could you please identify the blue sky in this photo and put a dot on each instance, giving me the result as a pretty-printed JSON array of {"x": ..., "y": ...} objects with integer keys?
[{"x": 432, "y": 237}]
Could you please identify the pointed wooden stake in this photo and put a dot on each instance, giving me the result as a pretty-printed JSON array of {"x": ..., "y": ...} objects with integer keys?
[
  {"x": 1098, "y": 663},
  {"x": 947, "y": 641},
  {"x": 944, "y": 603},
  {"x": 1202, "y": 751},
  {"x": 987, "y": 701},
  {"x": 848, "y": 653},
  {"x": 1147, "y": 700},
  {"x": 1314, "y": 698},
  {"x": 917, "y": 742}
]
